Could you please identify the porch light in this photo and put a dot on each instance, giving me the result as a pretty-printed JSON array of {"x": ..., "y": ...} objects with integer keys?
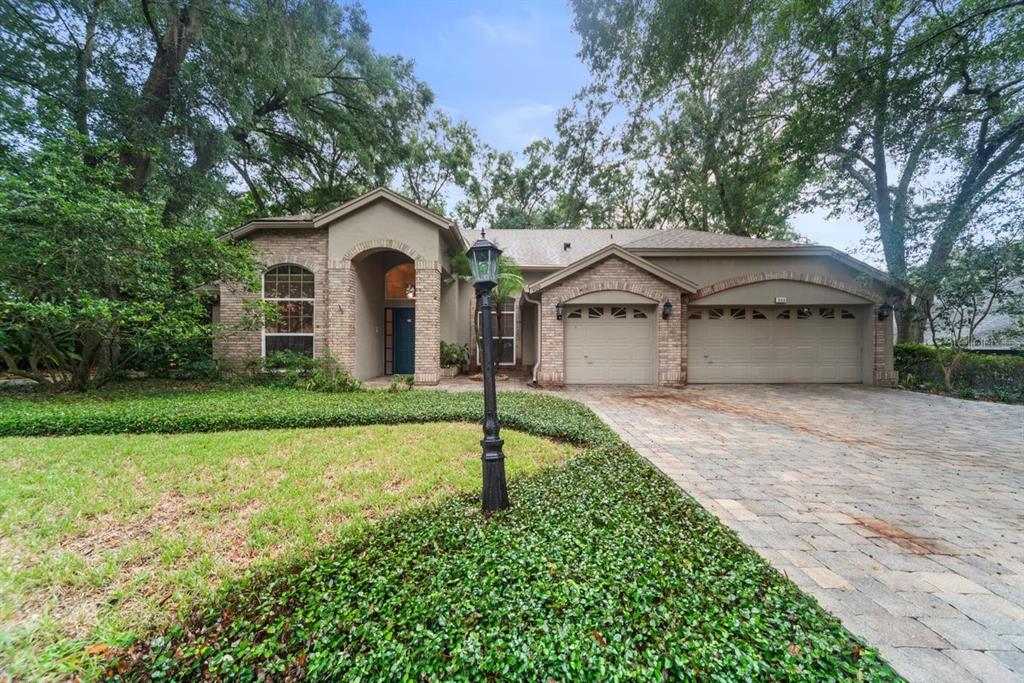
[
  {"x": 483, "y": 261},
  {"x": 666, "y": 310},
  {"x": 559, "y": 310},
  {"x": 884, "y": 311},
  {"x": 410, "y": 291}
]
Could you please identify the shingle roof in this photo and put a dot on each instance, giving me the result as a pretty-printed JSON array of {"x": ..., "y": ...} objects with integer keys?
[
  {"x": 548, "y": 247},
  {"x": 679, "y": 238}
]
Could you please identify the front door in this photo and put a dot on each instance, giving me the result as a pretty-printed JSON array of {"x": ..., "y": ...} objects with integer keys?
[{"x": 404, "y": 341}]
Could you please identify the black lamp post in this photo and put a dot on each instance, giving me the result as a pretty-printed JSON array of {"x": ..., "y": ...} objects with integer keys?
[{"x": 483, "y": 260}]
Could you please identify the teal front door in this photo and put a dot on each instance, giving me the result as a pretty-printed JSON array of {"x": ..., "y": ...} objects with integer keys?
[{"x": 404, "y": 341}]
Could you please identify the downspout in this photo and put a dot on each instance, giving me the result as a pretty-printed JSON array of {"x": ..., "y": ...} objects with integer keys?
[{"x": 537, "y": 348}]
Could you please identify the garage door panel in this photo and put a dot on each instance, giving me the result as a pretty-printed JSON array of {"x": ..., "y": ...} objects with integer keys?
[
  {"x": 607, "y": 345},
  {"x": 774, "y": 344}
]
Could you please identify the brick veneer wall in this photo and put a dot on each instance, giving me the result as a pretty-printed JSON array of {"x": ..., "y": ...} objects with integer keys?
[
  {"x": 428, "y": 322},
  {"x": 334, "y": 312},
  {"x": 612, "y": 273},
  {"x": 306, "y": 248}
]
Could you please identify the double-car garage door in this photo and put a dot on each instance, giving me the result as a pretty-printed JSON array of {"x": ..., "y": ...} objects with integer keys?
[
  {"x": 774, "y": 344},
  {"x": 727, "y": 344}
]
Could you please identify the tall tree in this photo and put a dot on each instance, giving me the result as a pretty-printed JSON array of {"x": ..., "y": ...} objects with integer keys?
[
  {"x": 439, "y": 157},
  {"x": 707, "y": 95},
  {"x": 287, "y": 97},
  {"x": 927, "y": 101}
]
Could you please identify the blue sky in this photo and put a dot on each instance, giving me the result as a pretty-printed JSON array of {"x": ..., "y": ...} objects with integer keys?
[{"x": 507, "y": 67}]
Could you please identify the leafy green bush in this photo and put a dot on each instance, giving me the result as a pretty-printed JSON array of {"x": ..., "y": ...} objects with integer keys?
[
  {"x": 400, "y": 382},
  {"x": 976, "y": 376},
  {"x": 454, "y": 355},
  {"x": 600, "y": 571},
  {"x": 290, "y": 369}
]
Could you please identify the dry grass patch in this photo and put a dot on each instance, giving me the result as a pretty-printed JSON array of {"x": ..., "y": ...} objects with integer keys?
[{"x": 103, "y": 537}]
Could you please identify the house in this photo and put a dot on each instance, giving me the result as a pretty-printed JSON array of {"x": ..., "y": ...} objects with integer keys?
[{"x": 370, "y": 283}]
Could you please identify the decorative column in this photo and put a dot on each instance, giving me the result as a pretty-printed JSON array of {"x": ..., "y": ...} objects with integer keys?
[
  {"x": 428, "y": 322},
  {"x": 552, "y": 345}
]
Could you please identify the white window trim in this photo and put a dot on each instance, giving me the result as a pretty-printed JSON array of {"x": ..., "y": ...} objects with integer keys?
[
  {"x": 514, "y": 336},
  {"x": 263, "y": 330}
]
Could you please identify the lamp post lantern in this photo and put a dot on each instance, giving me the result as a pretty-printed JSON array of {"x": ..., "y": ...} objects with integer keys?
[{"x": 483, "y": 261}]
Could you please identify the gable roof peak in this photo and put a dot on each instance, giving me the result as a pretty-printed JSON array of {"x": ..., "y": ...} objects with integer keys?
[{"x": 617, "y": 251}]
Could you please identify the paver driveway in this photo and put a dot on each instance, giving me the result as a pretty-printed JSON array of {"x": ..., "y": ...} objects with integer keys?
[{"x": 902, "y": 513}]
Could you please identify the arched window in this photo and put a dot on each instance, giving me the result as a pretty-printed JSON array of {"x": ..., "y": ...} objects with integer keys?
[{"x": 291, "y": 288}]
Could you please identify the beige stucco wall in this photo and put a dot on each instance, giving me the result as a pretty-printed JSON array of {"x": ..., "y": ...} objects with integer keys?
[
  {"x": 707, "y": 270},
  {"x": 449, "y": 310},
  {"x": 369, "y": 274},
  {"x": 384, "y": 220}
]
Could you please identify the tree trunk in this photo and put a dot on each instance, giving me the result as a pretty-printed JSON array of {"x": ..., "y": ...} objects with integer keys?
[{"x": 171, "y": 49}]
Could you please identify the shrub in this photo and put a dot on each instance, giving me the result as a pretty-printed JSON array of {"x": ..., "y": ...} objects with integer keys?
[
  {"x": 399, "y": 382},
  {"x": 977, "y": 375},
  {"x": 290, "y": 369},
  {"x": 454, "y": 355}
]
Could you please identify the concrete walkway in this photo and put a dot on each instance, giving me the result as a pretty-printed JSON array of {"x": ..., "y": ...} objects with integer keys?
[{"x": 902, "y": 513}]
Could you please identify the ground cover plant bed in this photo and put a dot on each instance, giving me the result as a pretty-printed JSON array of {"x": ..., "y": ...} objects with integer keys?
[
  {"x": 602, "y": 569},
  {"x": 105, "y": 537},
  {"x": 142, "y": 407}
]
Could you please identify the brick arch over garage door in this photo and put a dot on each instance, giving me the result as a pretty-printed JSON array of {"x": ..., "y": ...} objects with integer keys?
[
  {"x": 655, "y": 295},
  {"x": 810, "y": 278},
  {"x": 882, "y": 372},
  {"x": 611, "y": 274}
]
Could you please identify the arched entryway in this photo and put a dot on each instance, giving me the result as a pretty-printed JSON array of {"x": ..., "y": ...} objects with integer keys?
[{"x": 385, "y": 314}]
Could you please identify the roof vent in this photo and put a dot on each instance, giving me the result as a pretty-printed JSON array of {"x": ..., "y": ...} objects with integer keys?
[{"x": 565, "y": 246}]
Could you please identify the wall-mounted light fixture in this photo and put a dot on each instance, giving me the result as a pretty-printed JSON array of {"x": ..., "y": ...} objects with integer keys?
[
  {"x": 559, "y": 310},
  {"x": 884, "y": 311},
  {"x": 666, "y": 310},
  {"x": 410, "y": 291}
]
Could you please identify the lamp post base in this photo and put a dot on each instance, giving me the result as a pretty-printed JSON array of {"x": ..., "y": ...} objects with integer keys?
[{"x": 495, "y": 492}]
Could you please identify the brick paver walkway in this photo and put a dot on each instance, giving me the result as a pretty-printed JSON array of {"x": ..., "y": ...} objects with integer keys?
[{"x": 902, "y": 513}]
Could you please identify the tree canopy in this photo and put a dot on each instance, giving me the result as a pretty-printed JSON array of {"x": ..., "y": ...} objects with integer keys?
[
  {"x": 288, "y": 99},
  {"x": 90, "y": 277}
]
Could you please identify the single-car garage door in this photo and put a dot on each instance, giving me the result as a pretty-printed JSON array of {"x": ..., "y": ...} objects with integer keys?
[
  {"x": 774, "y": 344},
  {"x": 610, "y": 345}
]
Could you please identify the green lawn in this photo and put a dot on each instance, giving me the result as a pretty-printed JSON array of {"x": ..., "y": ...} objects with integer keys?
[
  {"x": 105, "y": 536},
  {"x": 602, "y": 569}
]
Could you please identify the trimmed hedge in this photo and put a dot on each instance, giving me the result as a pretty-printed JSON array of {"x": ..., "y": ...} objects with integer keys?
[
  {"x": 978, "y": 376},
  {"x": 220, "y": 408},
  {"x": 601, "y": 570}
]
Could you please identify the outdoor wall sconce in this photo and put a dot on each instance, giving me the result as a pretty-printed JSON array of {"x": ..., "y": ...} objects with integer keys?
[
  {"x": 559, "y": 310},
  {"x": 884, "y": 311},
  {"x": 410, "y": 291},
  {"x": 666, "y": 310}
]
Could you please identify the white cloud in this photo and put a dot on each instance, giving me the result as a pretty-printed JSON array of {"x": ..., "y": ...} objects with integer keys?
[
  {"x": 500, "y": 32},
  {"x": 515, "y": 127}
]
